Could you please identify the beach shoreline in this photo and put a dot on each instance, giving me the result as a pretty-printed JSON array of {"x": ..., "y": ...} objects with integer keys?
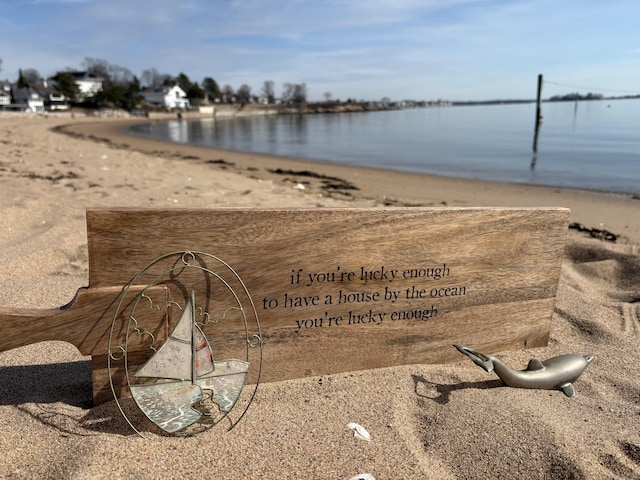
[
  {"x": 381, "y": 187},
  {"x": 425, "y": 421}
]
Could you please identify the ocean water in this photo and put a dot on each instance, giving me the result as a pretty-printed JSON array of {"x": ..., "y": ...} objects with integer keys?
[{"x": 591, "y": 145}]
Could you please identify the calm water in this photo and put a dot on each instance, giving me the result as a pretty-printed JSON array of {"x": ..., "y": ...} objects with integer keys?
[{"x": 589, "y": 145}]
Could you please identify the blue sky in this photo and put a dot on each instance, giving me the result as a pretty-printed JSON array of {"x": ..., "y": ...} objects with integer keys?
[{"x": 362, "y": 49}]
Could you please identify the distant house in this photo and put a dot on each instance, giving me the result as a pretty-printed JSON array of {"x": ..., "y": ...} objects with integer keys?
[
  {"x": 28, "y": 99},
  {"x": 53, "y": 100},
  {"x": 88, "y": 83},
  {"x": 5, "y": 95},
  {"x": 34, "y": 98},
  {"x": 167, "y": 97}
]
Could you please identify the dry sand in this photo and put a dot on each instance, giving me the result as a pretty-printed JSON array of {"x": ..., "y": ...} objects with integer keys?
[{"x": 426, "y": 421}]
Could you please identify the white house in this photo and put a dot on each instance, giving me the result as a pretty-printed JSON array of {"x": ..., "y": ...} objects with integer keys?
[
  {"x": 5, "y": 95},
  {"x": 167, "y": 97},
  {"x": 53, "y": 100},
  {"x": 28, "y": 99},
  {"x": 5, "y": 98},
  {"x": 88, "y": 83}
]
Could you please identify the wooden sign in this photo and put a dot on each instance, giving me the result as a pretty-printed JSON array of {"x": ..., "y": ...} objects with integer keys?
[{"x": 334, "y": 289}]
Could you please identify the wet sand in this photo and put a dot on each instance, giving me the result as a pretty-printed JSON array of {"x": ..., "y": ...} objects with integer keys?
[{"x": 615, "y": 213}]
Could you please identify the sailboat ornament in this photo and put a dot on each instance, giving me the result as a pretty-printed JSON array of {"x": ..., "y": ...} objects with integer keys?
[{"x": 180, "y": 384}]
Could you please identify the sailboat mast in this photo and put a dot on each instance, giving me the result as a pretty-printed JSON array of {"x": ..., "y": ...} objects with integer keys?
[{"x": 192, "y": 305}]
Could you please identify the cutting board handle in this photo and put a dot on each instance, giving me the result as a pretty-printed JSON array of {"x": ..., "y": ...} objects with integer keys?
[
  {"x": 85, "y": 322},
  {"x": 23, "y": 326}
]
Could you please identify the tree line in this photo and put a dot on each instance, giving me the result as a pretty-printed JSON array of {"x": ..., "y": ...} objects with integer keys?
[
  {"x": 121, "y": 88},
  {"x": 576, "y": 96}
]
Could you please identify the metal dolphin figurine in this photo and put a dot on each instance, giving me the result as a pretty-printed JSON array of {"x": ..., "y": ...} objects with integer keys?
[{"x": 557, "y": 373}]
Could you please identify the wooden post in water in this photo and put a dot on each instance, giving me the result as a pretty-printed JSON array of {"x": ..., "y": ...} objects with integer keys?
[{"x": 538, "y": 114}]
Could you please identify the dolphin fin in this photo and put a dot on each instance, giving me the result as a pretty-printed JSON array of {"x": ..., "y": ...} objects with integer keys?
[
  {"x": 535, "y": 364},
  {"x": 568, "y": 390}
]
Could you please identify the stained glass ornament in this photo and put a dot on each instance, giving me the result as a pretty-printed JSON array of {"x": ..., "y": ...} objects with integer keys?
[{"x": 184, "y": 385}]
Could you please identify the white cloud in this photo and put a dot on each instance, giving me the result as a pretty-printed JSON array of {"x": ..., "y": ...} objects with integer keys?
[{"x": 440, "y": 48}]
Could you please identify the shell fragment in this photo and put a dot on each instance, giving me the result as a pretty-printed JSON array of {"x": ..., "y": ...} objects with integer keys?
[{"x": 359, "y": 431}]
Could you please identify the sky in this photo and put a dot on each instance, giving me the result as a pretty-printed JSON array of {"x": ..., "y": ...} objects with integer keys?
[{"x": 359, "y": 49}]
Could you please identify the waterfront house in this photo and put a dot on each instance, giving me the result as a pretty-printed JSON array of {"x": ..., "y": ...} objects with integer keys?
[
  {"x": 5, "y": 95},
  {"x": 28, "y": 99},
  {"x": 167, "y": 97},
  {"x": 53, "y": 99},
  {"x": 88, "y": 83}
]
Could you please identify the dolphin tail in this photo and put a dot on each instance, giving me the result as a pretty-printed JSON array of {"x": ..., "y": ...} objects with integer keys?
[{"x": 480, "y": 359}]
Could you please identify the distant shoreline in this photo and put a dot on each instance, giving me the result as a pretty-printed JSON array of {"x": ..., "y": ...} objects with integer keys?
[
  {"x": 443, "y": 160},
  {"x": 121, "y": 137},
  {"x": 380, "y": 186}
]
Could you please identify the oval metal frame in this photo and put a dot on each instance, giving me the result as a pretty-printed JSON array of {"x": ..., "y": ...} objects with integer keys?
[{"x": 186, "y": 260}]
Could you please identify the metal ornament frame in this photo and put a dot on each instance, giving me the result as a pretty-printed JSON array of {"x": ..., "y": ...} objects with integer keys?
[{"x": 182, "y": 387}]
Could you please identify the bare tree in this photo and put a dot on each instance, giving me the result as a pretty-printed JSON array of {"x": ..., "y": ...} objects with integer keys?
[
  {"x": 119, "y": 86},
  {"x": 31, "y": 76},
  {"x": 327, "y": 96},
  {"x": 294, "y": 92},
  {"x": 228, "y": 93},
  {"x": 120, "y": 75},
  {"x": 110, "y": 73},
  {"x": 268, "y": 91},
  {"x": 97, "y": 67},
  {"x": 300, "y": 93},
  {"x": 287, "y": 92},
  {"x": 153, "y": 79},
  {"x": 244, "y": 93}
]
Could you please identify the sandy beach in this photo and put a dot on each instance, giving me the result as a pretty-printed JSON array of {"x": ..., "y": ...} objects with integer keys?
[{"x": 426, "y": 421}]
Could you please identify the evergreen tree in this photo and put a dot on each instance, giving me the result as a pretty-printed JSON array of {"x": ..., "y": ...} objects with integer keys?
[
  {"x": 211, "y": 88},
  {"x": 183, "y": 81},
  {"x": 195, "y": 92},
  {"x": 66, "y": 84},
  {"x": 22, "y": 82}
]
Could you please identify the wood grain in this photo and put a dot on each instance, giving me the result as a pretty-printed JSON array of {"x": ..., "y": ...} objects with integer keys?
[
  {"x": 323, "y": 283},
  {"x": 85, "y": 322}
]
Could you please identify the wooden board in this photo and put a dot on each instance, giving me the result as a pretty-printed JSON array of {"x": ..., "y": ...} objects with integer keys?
[{"x": 341, "y": 289}]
